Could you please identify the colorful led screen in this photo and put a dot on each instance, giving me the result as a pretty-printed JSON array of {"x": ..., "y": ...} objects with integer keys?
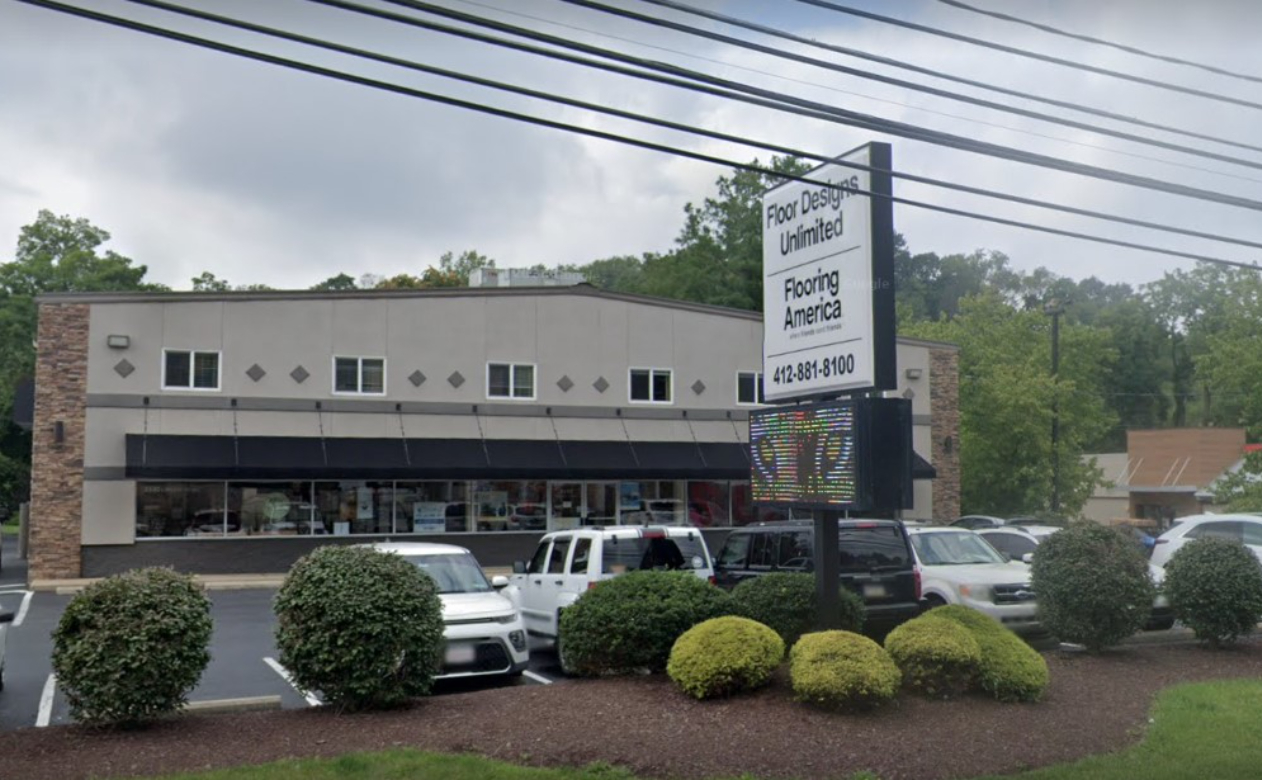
[{"x": 806, "y": 455}]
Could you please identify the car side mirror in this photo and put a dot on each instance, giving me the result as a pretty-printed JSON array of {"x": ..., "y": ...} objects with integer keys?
[
  {"x": 519, "y": 567},
  {"x": 499, "y": 581},
  {"x": 1027, "y": 558},
  {"x": 6, "y": 617}
]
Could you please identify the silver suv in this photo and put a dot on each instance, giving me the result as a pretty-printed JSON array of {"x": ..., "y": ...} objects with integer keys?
[{"x": 567, "y": 563}]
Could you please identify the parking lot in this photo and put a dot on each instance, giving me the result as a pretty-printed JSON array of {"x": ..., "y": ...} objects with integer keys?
[{"x": 243, "y": 654}]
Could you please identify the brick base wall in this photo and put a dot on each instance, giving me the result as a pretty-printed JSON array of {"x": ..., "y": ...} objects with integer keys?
[
  {"x": 61, "y": 394},
  {"x": 944, "y": 407}
]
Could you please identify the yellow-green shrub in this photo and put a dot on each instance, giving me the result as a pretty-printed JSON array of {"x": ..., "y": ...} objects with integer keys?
[
  {"x": 937, "y": 657},
  {"x": 723, "y": 656},
  {"x": 1010, "y": 670},
  {"x": 842, "y": 670}
]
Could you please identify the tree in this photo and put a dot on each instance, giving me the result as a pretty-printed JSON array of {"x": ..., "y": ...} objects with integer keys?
[
  {"x": 1241, "y": 490},
  {"x": 208, "y": 282},
  {"x": 340, "y": 282},
  {"x": 1232, "y": 361}
]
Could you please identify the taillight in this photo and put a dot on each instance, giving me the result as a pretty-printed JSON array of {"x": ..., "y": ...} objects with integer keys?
[
  {"x": 713, "y": 580},
  {"x": 591, "y": 584},
  {"x": 915, "y": 573}
]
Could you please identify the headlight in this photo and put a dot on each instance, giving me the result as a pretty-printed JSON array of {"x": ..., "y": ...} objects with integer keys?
[
  {"x": 511, "y": 617},
  {"x": 976, "y": 592}
]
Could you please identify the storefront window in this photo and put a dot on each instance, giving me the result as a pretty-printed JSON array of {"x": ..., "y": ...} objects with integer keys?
[
  {"x": 272, "y": 509},
  {"x": 354, "y": 507},
  {"x": 431, "y": 507},
  {"x": 708, "y": 504},
  {"x": 507, "y": 505},
  {"x": 181, "y": 509},
  {"x": 567, "y": 505},
  {"x": 743, "y": 510}
]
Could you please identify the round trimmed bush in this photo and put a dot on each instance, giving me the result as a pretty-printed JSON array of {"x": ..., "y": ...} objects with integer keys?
[
  {"x": 938, "y": 657},
  {"x": 129, "y": 648},
  {"x": 786, "y": 602},
  {"x": 1092, "y": 584},
  {"x": 842, "y": 670},
  {"x": 362, "y": 627},
  {"x": 723, "y": 656},
  {"x": 630, "y": 623},
  {"x": 1009, "y": 670},
  {"x": 1215, "y": 589}
]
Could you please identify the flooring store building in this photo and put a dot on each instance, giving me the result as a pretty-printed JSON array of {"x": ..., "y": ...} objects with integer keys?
[{"x": 233, "y": 432}]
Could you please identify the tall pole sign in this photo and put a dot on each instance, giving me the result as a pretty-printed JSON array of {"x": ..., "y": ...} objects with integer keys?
[{"x": 828, "y": 281}]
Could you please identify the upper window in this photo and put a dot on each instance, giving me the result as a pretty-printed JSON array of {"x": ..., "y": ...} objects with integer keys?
[
  {"x": 749, "y": 388},
  {"x": 651, "y": 385},
  {"x": 189, "y": 370},
  {"x": 510, "y": 380},
  {"x": 366, "y": 376}
]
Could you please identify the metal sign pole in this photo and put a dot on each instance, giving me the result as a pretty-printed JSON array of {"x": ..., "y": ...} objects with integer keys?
[{"x": 827, "y": 570}]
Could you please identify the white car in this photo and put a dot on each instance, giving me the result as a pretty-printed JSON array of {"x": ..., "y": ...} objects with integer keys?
[
  {"x": 1020, "y": 544},
  {"x": 1242, "y": 527},
  {"x": 957, "y": 566},
  {"x": 5, "y": 619},
  {"x": 567, "y": 563},
  {"x": 482, "y": 624}
]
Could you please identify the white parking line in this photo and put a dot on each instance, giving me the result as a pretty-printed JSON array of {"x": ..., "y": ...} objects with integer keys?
[
  {"x": 539, "y": 678},
  {"x": 46, "y": 702},
  {"x": 26, "y": 603},
  {"x": 312, "y": 699}
]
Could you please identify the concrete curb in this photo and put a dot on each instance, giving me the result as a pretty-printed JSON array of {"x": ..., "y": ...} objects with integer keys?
[{"x": 245, "y": 704}]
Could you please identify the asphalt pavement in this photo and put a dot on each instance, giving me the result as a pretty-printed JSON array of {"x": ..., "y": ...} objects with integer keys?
[{"x": 243, "y": 654}]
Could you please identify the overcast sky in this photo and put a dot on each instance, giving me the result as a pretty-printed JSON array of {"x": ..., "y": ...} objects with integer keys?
[{"x": 196, "y": 160}]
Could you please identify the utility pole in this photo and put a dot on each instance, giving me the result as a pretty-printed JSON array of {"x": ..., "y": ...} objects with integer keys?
[{"x": 1054, "y": 308}]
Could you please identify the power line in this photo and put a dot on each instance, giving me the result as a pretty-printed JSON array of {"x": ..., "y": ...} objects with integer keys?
[
  {"x": 778, "y": 33},
  {"x": 676, "y": 126},
  {"x": 1102, "y": 42},
  {"x": 697, "y": 82},
  {"x": 504, "y": 113},
  {"x": 1034, "y": 55}
]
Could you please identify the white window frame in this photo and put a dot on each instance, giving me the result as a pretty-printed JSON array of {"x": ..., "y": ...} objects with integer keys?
[
  {"x": 652, "y": 371},
  {"x": 512, "y": 383},
  {"x": 192, "y": 360},
  {"x": 757, "y": 389},
  {"x": 359, "y": 375}
]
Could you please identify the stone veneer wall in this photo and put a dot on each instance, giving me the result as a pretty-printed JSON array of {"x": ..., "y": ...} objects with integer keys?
[
  {"x": 61, "y": 395},
  {"x": 944, "y": 409}
]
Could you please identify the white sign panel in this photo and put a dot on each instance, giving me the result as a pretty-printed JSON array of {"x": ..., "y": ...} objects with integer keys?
[{"x": 817, "y": 244}]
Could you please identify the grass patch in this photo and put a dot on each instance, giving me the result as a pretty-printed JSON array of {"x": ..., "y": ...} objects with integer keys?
[{"x": 405, "y": 764}]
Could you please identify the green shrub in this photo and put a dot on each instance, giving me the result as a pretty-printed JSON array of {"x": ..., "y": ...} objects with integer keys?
[
  {"x": 938, "y": 657},
  {"x": 630, "y": 623},
  {"x": 1092, "y": 584},
  {"x": 362, "y": 627},
  {"x": 1215, "y": 589},
  {"x": 842, "y": 670},
  {"x": 130, "y": 647},
  {"x": 723, "y": 656},
  {"x": 1010, "y": 670},
  {"x": 786, "y": 602}
]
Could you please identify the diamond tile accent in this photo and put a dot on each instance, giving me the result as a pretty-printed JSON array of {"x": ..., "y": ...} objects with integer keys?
[
  {"x": 255, "y": 372},
  {"x": 600, "y": 384},
  {"x": 416, "y": 378},
  {"x": 698, "y": 387},
  {"x": 456, "y": 379},
  {"x": 300, "y": 374},
  {"x": 124, "y": 368},
  {"x": 565, "y": 383}
]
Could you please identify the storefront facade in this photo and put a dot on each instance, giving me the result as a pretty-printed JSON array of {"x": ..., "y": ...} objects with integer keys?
[{"x": 233, "y": 432}]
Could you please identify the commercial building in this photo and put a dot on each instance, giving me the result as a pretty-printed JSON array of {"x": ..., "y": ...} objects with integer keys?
[{"x": 233, "y": 432}]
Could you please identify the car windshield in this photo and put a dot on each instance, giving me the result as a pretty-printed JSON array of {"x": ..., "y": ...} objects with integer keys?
[
  {"x": 453, "y": 572},
  {"x": 952, "y": 549},
  {"x": 623, "y": 554}
]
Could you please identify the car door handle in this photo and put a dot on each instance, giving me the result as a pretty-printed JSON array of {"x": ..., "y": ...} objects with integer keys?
[
  {"x": 558, "y": 582},
  {"x": 538, "y": 582}
]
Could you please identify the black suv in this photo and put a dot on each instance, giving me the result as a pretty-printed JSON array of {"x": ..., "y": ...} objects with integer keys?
[{"x": 876, "y": 562}]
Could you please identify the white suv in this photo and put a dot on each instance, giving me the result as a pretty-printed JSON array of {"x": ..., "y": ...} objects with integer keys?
[
  {"x": 958, "y": 567},
  {"x": 481, "y": 623},
  {"x": 1244, "y": 528},
  {"x": 567, "y": 563}
]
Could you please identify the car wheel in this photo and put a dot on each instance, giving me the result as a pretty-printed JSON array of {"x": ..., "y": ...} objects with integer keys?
[
  {"x": 931, "y": 601},
  {"x": 1164, "y": 624}
]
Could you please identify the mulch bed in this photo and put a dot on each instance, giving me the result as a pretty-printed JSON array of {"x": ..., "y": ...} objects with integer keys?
[{"x": 1095, "y": 704}]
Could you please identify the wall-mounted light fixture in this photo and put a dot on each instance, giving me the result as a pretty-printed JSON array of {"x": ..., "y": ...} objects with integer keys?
[
  {"x": 912, "y": 373},
  {"x": 118, "y": 341}
]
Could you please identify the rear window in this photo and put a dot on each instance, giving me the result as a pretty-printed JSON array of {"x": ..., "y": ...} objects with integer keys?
[
  {"x": 625, "y": 554},
  {"x": 864, "y": 549}
]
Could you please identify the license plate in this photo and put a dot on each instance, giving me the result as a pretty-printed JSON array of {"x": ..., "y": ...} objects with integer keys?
[
  {"x": 460, "y": 654},
  {"x": 873, "y": 590}
]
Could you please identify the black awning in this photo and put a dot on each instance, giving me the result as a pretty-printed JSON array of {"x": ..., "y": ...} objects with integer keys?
[
  {"x": 921, "y": 468},
  {"x": 165, "y": 456}
]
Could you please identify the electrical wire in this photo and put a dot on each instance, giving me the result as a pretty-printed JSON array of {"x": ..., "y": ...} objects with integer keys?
[
  {"x": 784, "y": 34},
  {"x": 1034, "y": 55},
  {"x": 1047, "y": 28},
  {"x": 700, "y": 82},
  {"x": 481, "y": 108},
  {"x": 676, "y": 126}
]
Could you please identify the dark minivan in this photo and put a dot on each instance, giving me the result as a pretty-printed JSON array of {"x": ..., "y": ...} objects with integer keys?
[{"x": 875, "y": 557}]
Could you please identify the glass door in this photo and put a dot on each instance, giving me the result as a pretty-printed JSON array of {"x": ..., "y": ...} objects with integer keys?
[
  {"x": 565, "y": 501},
  {"x": 602, "y": 503}
]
